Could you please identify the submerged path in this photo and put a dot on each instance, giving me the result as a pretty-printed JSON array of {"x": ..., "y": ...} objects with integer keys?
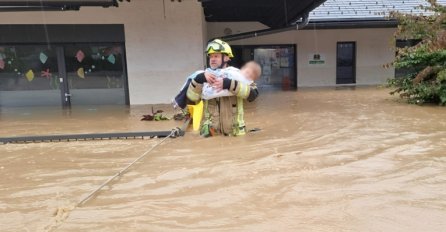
[{"x": 325, "y": 160}]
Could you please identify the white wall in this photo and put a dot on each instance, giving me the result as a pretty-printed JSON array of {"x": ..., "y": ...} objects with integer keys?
[
  {"x": 161, "y": 50},
  {"x": 373, "y": 50}
]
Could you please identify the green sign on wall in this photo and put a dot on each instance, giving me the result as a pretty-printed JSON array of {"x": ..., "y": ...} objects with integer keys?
[{"x": 316, "y": 59}]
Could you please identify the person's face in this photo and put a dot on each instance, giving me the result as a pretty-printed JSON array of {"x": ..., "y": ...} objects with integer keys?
[
  {"x": 249, "y": 73},
  {"x": 215, "y": 60}
]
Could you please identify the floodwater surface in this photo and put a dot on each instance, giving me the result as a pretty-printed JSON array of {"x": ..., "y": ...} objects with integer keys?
[{"x": 324, "y": 160}]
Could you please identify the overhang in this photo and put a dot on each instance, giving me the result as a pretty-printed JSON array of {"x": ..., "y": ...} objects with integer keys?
[
  {"x": 273, "y": 13},
  {"x": 318, "y": 25}
]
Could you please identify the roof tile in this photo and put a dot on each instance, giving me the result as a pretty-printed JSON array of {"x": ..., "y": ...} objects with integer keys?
[{"x": 365, "y": 9}]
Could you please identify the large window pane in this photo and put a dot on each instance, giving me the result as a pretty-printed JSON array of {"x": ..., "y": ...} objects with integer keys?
[
  {"x": 28, "y": 76},
  {"x": 95, "y": 74}
]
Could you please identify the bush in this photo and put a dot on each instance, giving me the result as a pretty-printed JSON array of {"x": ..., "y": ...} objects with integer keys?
[{"x": 426, "y": 83}]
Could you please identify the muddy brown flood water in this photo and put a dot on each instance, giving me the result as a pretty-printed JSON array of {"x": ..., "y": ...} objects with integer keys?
[{"x": 325, "y": 160}]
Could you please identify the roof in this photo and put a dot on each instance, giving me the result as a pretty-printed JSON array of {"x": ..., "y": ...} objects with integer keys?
[
  {"x": 272, "y": 13},
  {"x": 341, "y": 10},
  {"x": 342, "y": 14}
]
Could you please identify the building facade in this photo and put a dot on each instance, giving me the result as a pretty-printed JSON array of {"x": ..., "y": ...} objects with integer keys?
[
  {"x": 143, "y": 60},
  {"x": 141, "y": 51},
  {"x": 324, "y": 57}
]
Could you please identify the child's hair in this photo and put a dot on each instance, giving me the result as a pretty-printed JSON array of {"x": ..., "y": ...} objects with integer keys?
[{"x": 255, "y": 66}]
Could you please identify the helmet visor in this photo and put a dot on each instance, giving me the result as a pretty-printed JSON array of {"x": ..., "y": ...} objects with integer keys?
[{"x": 215, "y": 46}]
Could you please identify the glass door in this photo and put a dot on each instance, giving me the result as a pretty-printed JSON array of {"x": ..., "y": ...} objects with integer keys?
[
  {"x": 29, "y": 76},
  {"x": 278, "y": 64},
  {"x": 64, "y": 74},
  {"x": 95, "y": 74},
  {"x": 346, "y": 63}
]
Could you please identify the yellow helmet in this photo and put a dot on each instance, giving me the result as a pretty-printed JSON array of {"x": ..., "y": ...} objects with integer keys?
[{"x": 219, "y": 46}]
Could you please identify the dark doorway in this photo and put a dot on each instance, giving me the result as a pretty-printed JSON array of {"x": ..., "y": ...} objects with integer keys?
[
  {"x": 346, "y": 63},
  {"x": 278, "y": 64}
]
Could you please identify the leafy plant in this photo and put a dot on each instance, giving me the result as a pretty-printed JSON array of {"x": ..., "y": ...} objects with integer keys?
[{"x": 426, "y": 83}]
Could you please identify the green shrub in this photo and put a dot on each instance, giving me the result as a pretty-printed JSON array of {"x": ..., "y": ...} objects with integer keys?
[{"x": 426, "y": 83}]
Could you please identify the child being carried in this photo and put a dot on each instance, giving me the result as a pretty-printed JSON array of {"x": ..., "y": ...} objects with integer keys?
[{"x": 249, "y": 73}]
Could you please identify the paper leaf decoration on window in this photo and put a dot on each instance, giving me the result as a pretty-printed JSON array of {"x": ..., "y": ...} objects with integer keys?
[
  {"x": 2, "y": 64},
  {"x": 80, "y": 56},
  {"x": 46, "y": 74},
  {"x": 43, "y": 58},
  {"x": 111, "y": 58},
  {"x": 29, "y": 75},
  {"x": 117, "y": 50},
  {"x": 81, "y": 73}
]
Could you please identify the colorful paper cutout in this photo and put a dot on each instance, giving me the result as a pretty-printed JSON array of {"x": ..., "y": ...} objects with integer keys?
[
  {"x": 43, "y": 58},
  {"x": 29, "y": 75},
  {"x": 111, "y": 58},
  {"x": 2, "y": 64},
  {"x": 80, "y": 56},
  {"x": 46, "y": 74},
  {"x": 81, "y": 73}
]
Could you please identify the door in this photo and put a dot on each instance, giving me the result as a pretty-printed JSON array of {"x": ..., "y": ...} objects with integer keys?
[
  {"x": 63, "y": 74},
  {"x": 346, "y": 63},
  {"x": 94, "y": 75},
  {"x": 29, "y": 76},
  {"x": 278, "y": 64}
]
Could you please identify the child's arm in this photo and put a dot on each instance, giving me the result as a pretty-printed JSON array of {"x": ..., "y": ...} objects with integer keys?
[
  {"x": 195, "y": 89},
  {"x": 235, "y": 74},
  {"x": 210, "y": 77}
]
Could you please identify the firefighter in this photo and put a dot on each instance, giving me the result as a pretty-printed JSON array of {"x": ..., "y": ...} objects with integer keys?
[{"x": 223, "y": 115}]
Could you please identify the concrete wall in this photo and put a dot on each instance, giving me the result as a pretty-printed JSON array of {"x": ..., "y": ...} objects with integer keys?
[
  {"x": 162, "y": 48},
  {"x": 373, "y": 49}
]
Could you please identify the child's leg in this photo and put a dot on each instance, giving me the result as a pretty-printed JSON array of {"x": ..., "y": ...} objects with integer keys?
[{"x": 181, "y": 99}]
